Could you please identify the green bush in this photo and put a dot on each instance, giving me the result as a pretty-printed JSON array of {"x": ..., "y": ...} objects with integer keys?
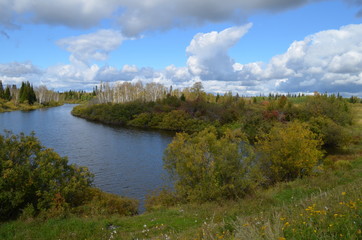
[
  {"x": 141, "y": 120},
  {"x": 161, "y": 198},
  {"x": 179, "y": 120},
  {"x": 208, "y": 168},
  {"x": 105, "y": 204},
  {"x": 289, "y": 151},
  {"x": 254, "y": 123},
  {"x": 336, "y": 109},
  {"x": 334, "y": 136},
  {"x": 33, "y": 175}
]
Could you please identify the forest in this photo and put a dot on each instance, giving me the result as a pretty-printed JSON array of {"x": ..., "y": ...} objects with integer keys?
[{"x": 227, "y": 149}]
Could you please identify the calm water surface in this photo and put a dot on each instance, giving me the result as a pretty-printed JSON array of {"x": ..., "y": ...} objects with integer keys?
[{"x": 125, "y": 161}]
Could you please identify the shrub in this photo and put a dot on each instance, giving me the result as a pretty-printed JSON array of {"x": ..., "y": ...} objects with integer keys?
[
  {"x": 332, "y": 107},
  {"x": 207, "y": 168},
  {"x": 161, "y": 198},
  {"x": 33, "y": 175},
  {"x": 289, "y": 151},
  {"x": 254, "y": 123},
  {"x": 178, "y": 120},
  {"x": 333, "y": 135},
  {"x": 141, "y": 120},
  {"x": 103, "y": 203}
]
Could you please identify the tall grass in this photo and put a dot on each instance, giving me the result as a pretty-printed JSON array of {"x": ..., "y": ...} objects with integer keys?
[{"x": 333, "y": 214}]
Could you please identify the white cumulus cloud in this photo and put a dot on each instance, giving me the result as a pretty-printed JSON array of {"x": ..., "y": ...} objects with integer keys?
[
  {"x": 326, "y": 61},
  {"x": 93, "y": 46},
  {"x": 16, "y": 69},
  {"x": 208, "y": 53}
]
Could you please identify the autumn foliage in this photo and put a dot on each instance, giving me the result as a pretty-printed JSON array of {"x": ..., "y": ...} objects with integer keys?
[
  {"x": 207, "y": 167},
  {"x": 289, "y": 151}
]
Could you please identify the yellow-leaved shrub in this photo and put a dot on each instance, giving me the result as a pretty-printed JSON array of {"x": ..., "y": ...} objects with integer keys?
[{"x": 289, "y": 151}]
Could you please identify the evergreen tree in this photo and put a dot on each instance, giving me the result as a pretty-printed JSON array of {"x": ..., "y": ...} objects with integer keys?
[
  {"x": 27, "y": 93},
  {"x": 32, "y": 96},
  {"x": 7, "y": 94},
  {"x": 22, "y": 92},
  {"x": 1, "y": 90},
  {"x": 217, "y": 97},
  {"x": 183, "y": 98}
]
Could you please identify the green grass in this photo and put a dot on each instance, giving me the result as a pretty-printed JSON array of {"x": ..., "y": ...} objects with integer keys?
[
  {"x": 332, "y": 214},
  {"x": 327, "y": 205},
  {"x": 9, "y": 106}
]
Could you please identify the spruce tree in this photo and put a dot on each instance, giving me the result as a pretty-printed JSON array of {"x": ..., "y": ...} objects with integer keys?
[
  {"x": 1, "y": 90},
  {"x": 7, "y": 94},
  {"x": 27, "y": 93},
  {"x": 31, "y": 96}
]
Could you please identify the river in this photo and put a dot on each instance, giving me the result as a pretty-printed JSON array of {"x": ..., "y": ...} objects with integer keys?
[{"x": 126, "y": 162}]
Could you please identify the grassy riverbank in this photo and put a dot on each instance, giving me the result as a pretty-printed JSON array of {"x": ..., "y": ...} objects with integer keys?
[
  {"x": 9, "y": 106},
  {"x": 326, "y": 205}
]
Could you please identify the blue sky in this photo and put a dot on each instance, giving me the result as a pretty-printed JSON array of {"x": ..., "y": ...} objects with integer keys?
[{"x": 231, "y": 45}]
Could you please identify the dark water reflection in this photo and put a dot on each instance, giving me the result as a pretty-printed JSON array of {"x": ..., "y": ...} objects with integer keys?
[{"x": 127, "y": 162}]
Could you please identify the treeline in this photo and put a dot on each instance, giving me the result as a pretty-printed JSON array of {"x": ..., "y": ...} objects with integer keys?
[
  {"x": 128, "y": 92},
  {"x": 150, "y": 92},
  {"x": 73, "y": 96},
  {"x": 41, "y": 95}
]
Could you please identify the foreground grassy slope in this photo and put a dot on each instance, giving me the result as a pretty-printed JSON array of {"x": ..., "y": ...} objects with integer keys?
[{"x": 327, "y": 205}]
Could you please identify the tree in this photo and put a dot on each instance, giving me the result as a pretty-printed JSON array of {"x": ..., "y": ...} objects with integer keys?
[
  {"x": 2, "y": 92},
  {"x": 197, "y": 87},
  {"x": 27, "y": 93},
  {"x": 206, "y": 167},
  {"x": 42, "y": 94},
  {"x": 197, "y": 90},
  {"x": 7, "y": 94},
  {"x": 289, "y": 151}
]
